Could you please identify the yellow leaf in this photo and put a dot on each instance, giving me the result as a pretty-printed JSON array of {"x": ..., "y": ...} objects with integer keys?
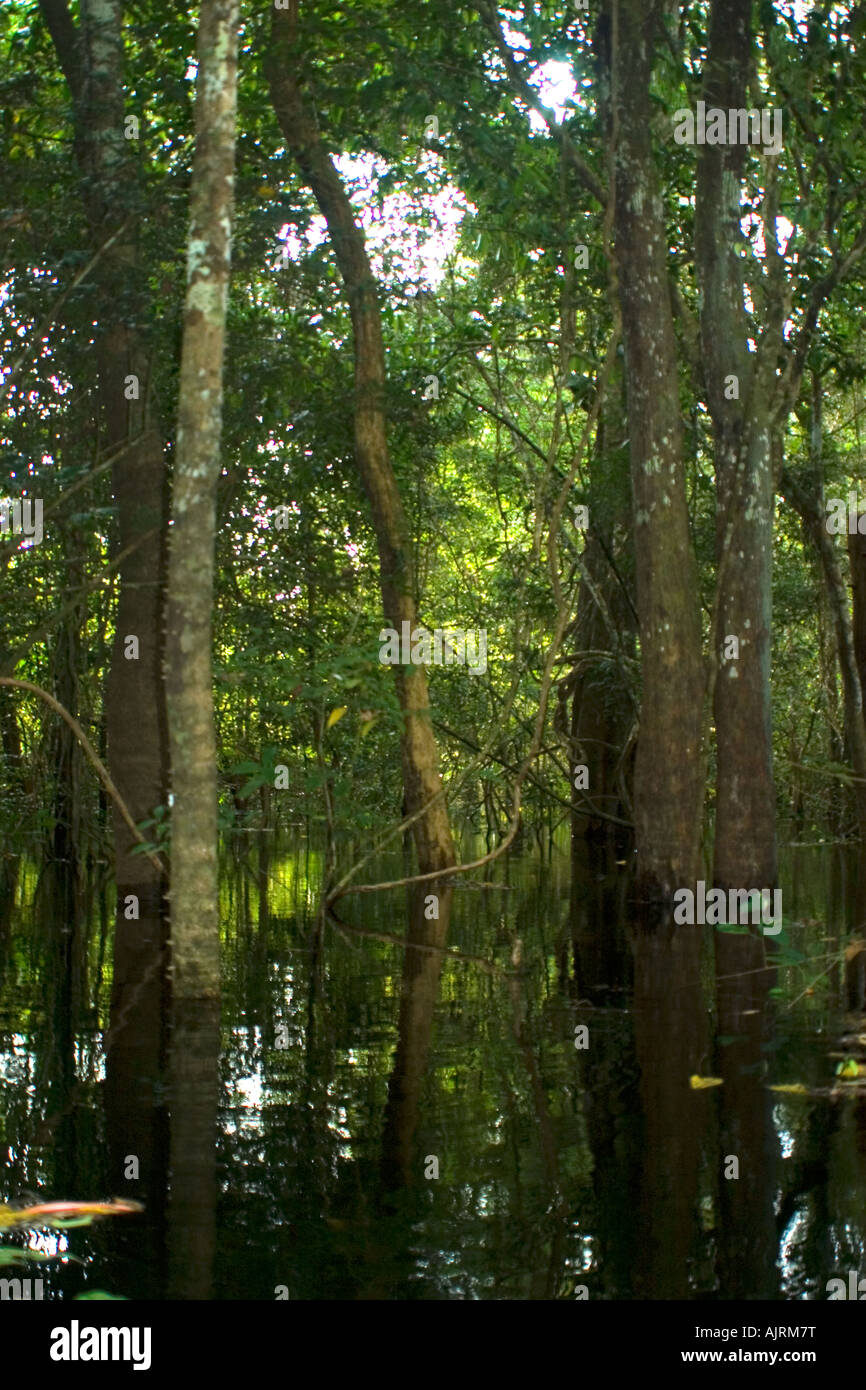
[
  {"x": 849, "y": 1069},
  {"x": 700, "y": 1083},
  {"x": 335, "y": 715},
  {"x": 792, "y": 1089}
]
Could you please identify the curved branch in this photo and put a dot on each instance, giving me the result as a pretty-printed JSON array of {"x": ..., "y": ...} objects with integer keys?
[{"x": 92, "y": 757}]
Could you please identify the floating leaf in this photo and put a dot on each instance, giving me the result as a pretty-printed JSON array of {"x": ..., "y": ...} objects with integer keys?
[
  {"x": 100, "y": 1294},
  {"x": 701, "y": 1083},
  {"x": 850, "y": 1069},
  {"x": 792, "y": 1088},
  {"x": 335, "y": 715}
]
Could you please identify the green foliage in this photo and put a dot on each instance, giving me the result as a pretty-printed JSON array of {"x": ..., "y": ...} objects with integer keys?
[
  {"x": 160, "y": 824},
  {"x": 298, "y": 607}
]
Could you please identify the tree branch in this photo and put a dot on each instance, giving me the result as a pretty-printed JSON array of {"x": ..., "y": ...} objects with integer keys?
[
  {"x": 92, "y": 757},
  {"x": 41, "y": 328},
  {"x": 528, "y": 95},
  {"x": 67, "y": 42}
]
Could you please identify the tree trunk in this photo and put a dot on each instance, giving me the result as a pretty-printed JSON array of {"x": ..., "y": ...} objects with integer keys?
[
  {"x": 813, "y": 518},
  {"x": 668, "y": 789},
  {"x": 421, "y": 780},
  {"x": 857, "y": 561},
  {"x": 602, "y": 709},
  {"x": 91, "y": 58},
  {"x": 745, "y": 845},
  {"x": 189, "y": 608},
  {"x": 92, "y": 62}
]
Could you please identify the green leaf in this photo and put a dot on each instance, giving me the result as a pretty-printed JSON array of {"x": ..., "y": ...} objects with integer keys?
[{"x": 11, "y": 1255}]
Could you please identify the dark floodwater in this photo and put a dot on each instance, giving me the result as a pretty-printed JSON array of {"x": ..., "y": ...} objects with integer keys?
[{"x": 370, "y": 1121}]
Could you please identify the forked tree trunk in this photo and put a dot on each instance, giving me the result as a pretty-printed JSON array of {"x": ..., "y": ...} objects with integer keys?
[
  {"x": 421, "y": 780},
  {"x": 189, "y": 679}
]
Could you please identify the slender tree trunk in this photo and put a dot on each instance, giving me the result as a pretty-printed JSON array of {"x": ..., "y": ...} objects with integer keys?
[
  {"x": 189, "y": 680},
  {"x": 91, "y": 57},
  {"x": 745, "y": 845},
  {"x": 421, "y": 780},
  {"x": 814, "y": 524},
  {"x": 602, "y": 712},
  {"x": 668, "y": 790},
  {"x": 857, "y": 561}
]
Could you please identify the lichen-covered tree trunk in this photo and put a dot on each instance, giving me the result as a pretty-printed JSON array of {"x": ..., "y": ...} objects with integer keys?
[
  {"x": 668, "y": 787},
  {"x": 738, "y": 397},
  {"x": 421, "y": 779},
  {"x": 189, "y": 607}
]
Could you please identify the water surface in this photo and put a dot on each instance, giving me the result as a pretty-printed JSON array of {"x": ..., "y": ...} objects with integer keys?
[{"x": 367, "y": 1120}]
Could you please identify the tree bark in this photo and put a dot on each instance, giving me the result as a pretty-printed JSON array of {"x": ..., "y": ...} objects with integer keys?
[
  {"x": 857, "y": 561},
  {"x": 421, "y": 779},
  {"x": 189, "y": 608},
  {"x": 91, "y": 58},
  {"x": 814, "y": 524},
  {"x": 602, "y": 709},
  {"x": 745, "y": 843},
  {"x": 668, "y": 787}
]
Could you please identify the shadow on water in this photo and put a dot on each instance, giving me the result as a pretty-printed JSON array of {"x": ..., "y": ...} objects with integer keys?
[
  {"x": 136, "y": 1120},
  {"x": 482, "y": 1092},
  {"x": 748, "y": 1149}
]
